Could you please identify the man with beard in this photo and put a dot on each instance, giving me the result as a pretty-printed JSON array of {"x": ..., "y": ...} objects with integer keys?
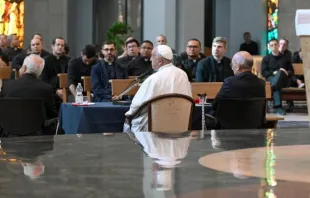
[
  {"x": 215, "y": 68},
  {"x": 105, "y": 70},
  {"x": 55, "y": 64},
  {"x": 143, "y": 63},
  {"x": 193, "y": 57}
]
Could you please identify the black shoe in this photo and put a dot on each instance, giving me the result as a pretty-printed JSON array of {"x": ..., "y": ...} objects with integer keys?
[{"x": 280, "y": 111}]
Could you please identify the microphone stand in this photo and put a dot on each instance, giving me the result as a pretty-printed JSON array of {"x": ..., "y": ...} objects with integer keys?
[
  {"x": 127, "y": 90},
  {"x": 202, "y": 98}
]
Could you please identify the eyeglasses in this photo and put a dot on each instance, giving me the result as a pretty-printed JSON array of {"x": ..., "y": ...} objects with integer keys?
[
  {"x": 108, "y": 49},
  {"x": 146, "y": 48},
  {"x": 192, "y": 46}
]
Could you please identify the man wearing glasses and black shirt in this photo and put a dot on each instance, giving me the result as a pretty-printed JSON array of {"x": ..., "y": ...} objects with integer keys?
[
  {"x": 143, "y": 63},
  {"x": 104, "y": 71},
  {"x": 132, "y": 48},
  {"x": 193, "y": 57}
]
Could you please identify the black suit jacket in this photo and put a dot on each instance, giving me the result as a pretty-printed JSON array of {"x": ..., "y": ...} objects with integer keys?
[
  {"x": 18, "y": 60},
  {"x": 29, "y": 86},
  {"x": 207, "y": 71},
  {"x": 244, "y": 85}
]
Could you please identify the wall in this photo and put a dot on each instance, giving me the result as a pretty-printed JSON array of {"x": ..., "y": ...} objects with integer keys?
[
  {"x": 47, "y": 17},
  {"x": 159, "y": 21},
  {"x": 234, "y": 17},
  {"x": 80, "y": 25},
  {"x": 287, "y": 11},
  {"x": 178, "y": 20}
]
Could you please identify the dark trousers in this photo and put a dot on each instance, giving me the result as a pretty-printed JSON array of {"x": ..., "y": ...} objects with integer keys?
[{"x": 276, "y": 93}]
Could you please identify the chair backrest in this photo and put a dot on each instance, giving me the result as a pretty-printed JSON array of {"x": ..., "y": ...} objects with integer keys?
[
  {"x": 5, "y": 73},
  {"x": 87, "y": 86},
  {"x": 119, "y": 85},
  {"x": 209, "y": 88},
  {"x": 234, "y": 113},
  {"x": 212, "y": 89},
  {"x": 63, "y": 84},
  {"x": 21, "y": 116},
  {"x": 257, "y": 65},
  {"x": 169, "y": 113},
  {"x": 298, "y": 69}
]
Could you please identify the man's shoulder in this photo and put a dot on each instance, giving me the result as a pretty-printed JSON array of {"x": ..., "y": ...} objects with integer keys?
[
  {"x": 207, "y": 60},
  {"x": 122, "y": 59},
  {"x": 74, "y": 60}
]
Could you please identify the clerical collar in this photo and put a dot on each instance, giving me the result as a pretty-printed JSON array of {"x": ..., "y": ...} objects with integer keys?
[
  {"x": 146, "y": 59},
  {"x": 218, "y": 60}
]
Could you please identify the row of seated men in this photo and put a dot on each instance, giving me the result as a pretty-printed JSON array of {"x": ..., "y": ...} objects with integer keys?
[
  {"x": 214, "y": 68},
  {"x": 167, "y": 79}
]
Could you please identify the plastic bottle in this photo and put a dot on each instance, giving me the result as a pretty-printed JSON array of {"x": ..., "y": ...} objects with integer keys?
[{"x": 79, "y": 94}]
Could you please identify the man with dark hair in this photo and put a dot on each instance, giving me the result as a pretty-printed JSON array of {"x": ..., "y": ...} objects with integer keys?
[
  {"x": 215, "y": 68},
  {"x": 80, "y": 66},
  {"x": 193, "y": 56},
  {"x": 283, "y": 49},
  {"x": 3, "y": 41},
  {"x": 143, "y": 63},
  {"x": 105, "y": 70},
  {"x": 249, "y": 45},
  {"x": 66, "y": 50},
  {"x": 277, "y": 69},
  {"x": 4, "y": 59},
  {"x": 55, "y": 64},
  {"x": 13, "y": 49},
  {"x": 132, "y": 49}
]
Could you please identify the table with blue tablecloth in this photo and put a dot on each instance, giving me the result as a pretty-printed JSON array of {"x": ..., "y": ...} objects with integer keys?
[{"x": 104, "y": 117}]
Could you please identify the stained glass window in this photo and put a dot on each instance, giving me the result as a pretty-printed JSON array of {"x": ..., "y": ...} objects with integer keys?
[
  {"x": 12, "y": 17},
  {"x": 273, "y": 20}
]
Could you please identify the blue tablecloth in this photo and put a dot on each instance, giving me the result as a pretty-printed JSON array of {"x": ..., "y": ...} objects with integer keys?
[{"x": 104, "y": 117}]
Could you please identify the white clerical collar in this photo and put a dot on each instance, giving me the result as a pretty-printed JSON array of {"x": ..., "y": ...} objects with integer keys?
[{"x": 165, "y": 66}]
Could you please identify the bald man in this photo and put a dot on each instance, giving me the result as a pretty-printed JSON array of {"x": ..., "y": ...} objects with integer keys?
[
  {"x": 244, "y": 84},
  {"x": 168, "y": 79},
  {"x": 36, "y": 47}
]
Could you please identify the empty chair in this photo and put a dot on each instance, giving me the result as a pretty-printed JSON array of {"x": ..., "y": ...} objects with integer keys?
[
  {"x": 21, "y": 117},
  {"x": 169, "y": 113},
  {"x": 236, "y": 113}
]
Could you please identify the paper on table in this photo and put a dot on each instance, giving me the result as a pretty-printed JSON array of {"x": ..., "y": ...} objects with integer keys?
[{"x": 302, "y": 22}]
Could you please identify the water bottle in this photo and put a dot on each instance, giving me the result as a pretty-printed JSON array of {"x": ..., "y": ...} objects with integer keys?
[{"x": 79, "y": 94}]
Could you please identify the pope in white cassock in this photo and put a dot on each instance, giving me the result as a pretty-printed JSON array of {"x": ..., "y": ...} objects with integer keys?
[{"x": 168, "y": 79}]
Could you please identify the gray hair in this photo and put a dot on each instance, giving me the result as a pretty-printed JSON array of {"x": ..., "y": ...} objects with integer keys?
[
  {"x": 34, "y": 64},
  {"x": 10, "y": 37}
]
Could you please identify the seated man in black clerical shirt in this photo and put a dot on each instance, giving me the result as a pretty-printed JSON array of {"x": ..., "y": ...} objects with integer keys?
[
  {"x": 36, "y": 47},
  {"x": 244, "y": 84},
  {"x": 55, "y": 63},
  {"x": 105, "y": 70},
  {"x": 297, "y": 57},
  {"x": 132, "y": 49},
  {"x": 215, "y": 68},
  {"x": 29, "y": 86},
  {"x": 277, "y": 69},
  {"x": 80, "y": 66},
  {"x": 193, "y": 56},
  {"x": 143, "y": 63},
  {"x": 13, "y": 49},
  {"x": 249, "y": 45}
]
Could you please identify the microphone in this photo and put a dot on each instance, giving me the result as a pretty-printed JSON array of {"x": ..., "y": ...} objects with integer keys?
[{"x": 144, "y": 75}]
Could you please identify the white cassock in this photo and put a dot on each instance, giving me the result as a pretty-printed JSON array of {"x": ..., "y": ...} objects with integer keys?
[{"x": 168, "y": 79}]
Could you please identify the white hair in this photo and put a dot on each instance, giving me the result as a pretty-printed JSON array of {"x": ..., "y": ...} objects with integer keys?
[{"x": 34, "y": 64}]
